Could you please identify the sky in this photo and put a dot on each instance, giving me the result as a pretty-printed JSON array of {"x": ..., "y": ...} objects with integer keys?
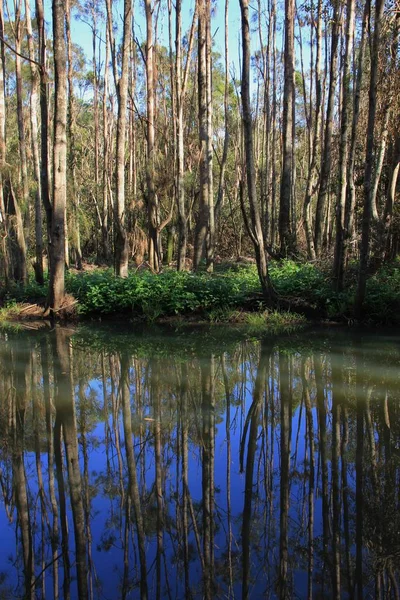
[{"x": 82, "y": 35}]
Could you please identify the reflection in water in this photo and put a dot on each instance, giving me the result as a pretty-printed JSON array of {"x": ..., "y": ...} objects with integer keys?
[{"x": 157, "y": 470}]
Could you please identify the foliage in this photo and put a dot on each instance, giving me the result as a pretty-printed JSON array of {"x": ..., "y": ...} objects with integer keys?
[{"x": 222, "y": 296}]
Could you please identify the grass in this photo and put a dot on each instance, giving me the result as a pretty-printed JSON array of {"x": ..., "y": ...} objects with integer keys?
[{"x": 221, "y": 297}]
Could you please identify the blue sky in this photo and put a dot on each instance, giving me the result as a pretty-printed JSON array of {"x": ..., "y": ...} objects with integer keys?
[{"x": 81, "y": 32}]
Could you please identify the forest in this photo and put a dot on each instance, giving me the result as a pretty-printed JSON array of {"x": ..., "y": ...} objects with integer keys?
[{"x": 162, "y": 146}]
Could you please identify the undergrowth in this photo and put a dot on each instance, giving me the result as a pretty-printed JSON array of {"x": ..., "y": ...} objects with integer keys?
[{"x": 222, "y": 296}]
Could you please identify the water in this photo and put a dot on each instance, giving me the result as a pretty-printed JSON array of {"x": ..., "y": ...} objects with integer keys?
[{"x": 199, "y": 464}]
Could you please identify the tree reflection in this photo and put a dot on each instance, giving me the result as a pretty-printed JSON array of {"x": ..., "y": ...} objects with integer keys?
[{"x": 266, "y": 470}]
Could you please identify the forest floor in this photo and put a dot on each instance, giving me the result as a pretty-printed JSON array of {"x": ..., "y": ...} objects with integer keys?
[{"x": 230, "y": 295}]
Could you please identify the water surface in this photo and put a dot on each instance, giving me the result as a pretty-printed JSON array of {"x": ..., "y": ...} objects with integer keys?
[{"x": 199, "y": 464}]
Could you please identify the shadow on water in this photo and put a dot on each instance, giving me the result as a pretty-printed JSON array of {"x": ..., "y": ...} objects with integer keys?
[{"x": 199, "y": 464}]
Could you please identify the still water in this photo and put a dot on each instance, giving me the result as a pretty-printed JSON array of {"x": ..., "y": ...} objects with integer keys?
[{"x": 199, "y": 464}]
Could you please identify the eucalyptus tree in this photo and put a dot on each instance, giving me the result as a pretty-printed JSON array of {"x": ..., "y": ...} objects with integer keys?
[
  {"x": 154, "y": 250},
  {"x": 205, "y": 143},
  {"x": 338, "y": 266},
  {"x": 3, "y": 213},
  {"x": 121, "y": 249},
  {"x": 254, "y": 226},
  {"x": 57, "y": 247},
  {"x": 181, "y": 81},
  {"x": 287, "y": 236},
  {"x": 326, "y": 163},
  {"x": 369, "y": 159},
  {"x": 33, "y": 108}
]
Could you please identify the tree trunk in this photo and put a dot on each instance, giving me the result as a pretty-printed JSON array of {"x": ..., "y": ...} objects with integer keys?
[
  {"x": 338, "y": 267},
  {"x": 312, "y": 173},
  {"x": 327, "y": 153},
  {"x": 152, "y": 202},
  {"x": 121, "y": 249},
  {"x": 255, "y": 230},
  {"x": 44, "y": 123},
  {"x": 25, "y": 204},
  {"x": 38, "y": 266},
  {"x": 3, "y": 212},
  {"x": 285, "y": 230},
  {"x": 351, "y": 190},
  {"x": 369, "y": 161},
  {"x": 57, "y": 262},
  {"x": 209, "y": 142},
  {"x": 73, "y": 192},
  {"x": 203, "y": 218}
]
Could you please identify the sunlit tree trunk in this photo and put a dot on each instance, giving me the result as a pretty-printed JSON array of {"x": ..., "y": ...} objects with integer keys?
[
  {"x": 106, "y": 152},
  {"x": 44, "y": 122},
  {"x": 209, "y": 142},
  {"x": 57, "y": 262},
  {"x": 121, "y": 249},
  {"x": 152, "y": 202},
  {"x": 316, "y": 134},
  {"x": 72, "y": 188},
  {"x": 33, "y": 106},
  {"x": 203, "y": 218},
  {"x": 255, "y": 229},
  {"x": 327, "y": 150},
  {"x": 338, "y": 267},
  {"x": 369, "y": 161},
  {"x": 25, "y": 204},
  {"x": 3, "y": 213}
]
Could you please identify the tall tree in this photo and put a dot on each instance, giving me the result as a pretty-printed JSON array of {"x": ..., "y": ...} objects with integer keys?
[
  {"x": 327, "y": 151},
  {"x": 33, "y": 106},
  {"x": 338, "y": 266},
  {"x": 57, "y": 248},
  {"x": 73, "y": 194},
  {"x": 121, "y": 249},
  {"x": 203, "y": 218},
  {"x": 254, "y": 228},
  {"x": 369, "y": 159},
  {"x": 152, "y": 202},
  {"x": 287, "y": 236}
]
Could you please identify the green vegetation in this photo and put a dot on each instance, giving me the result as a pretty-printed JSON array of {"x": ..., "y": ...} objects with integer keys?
[{"x": 232, "y": 294}]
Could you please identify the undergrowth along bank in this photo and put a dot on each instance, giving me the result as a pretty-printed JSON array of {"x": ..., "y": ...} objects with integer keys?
[{"x": 220, "y": 296}]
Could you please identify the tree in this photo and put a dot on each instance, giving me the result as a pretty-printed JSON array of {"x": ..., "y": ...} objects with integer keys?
[
  {"x": 121, "y": 240},
  {"x": 287, "y": 236},
  {"x": 254, "y": 227},
  {"x": 57, "y": 245}
]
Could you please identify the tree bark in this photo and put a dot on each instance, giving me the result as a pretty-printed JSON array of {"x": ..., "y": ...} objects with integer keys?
[
  {"x": 121, "y": 241},
  {"x": 72, "y": 188},
  {"x": 203, "y": 218},
  {"x": 338, "y": 267},
  {"x": 57, "y": 263},
  {"x": 327, "y": 152},
  {"x": 38, "y": 266},
  {"x": 369, "y": 162},
  {"x": 256, "y": 229},
  {"x": 286, "y": 234},
  {"x": 152, "y": 202}
]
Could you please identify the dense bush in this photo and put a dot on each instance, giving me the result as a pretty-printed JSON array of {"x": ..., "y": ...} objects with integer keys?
[{"x": 216, "y": 296}]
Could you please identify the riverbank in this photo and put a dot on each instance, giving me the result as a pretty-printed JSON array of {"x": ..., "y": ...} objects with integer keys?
[{"x": 230, "y": 295}]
